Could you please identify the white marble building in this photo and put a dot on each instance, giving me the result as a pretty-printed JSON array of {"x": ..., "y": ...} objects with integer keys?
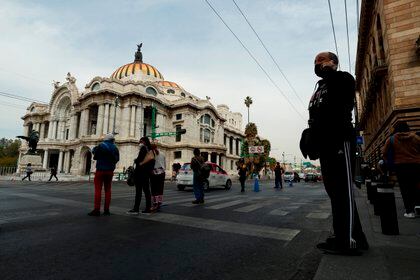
[{"x": 75, "y": 121}]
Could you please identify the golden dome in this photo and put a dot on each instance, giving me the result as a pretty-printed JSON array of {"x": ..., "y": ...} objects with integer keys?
[
  {"x": 169, "y": 84},
  {"x": 137, "y": 70}
]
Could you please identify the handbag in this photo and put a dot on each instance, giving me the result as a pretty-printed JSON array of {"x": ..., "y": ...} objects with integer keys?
[
  {"x": 130, "y": 176},
  {"x": 309, "y": 144}
]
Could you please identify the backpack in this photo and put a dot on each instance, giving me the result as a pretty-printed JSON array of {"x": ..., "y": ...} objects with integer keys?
[{"x": 205, "y": 170}]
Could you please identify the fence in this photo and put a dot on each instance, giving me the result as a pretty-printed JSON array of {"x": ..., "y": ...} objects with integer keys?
[
  {"x": 10, "y": 172},
  {"x": 7, "y": 170}
]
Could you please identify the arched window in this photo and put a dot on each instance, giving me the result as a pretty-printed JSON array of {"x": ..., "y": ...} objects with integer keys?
[
  {"x": 207, "y": 129},
  {"x": 170, "y": 91},
  {"x": 96, "y": 87},
  {"x": 182, "y": 94},
  {"x": 151, "y": 91}
]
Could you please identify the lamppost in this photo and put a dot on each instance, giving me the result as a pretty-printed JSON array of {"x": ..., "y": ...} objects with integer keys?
[{"x": 116, "y": 103}]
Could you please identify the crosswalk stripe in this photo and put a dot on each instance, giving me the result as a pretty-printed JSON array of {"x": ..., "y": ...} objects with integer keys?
[
  {"x": 191, "y": 198},
  {"x": 284, "y": 234},
  {"x": 278, "y": 212},
  {"x": 254, "y": 206},
  {"x": 318, "y": 215},
  {"x": 211, "y": 200},
  {"x": 226, "y": 204}
]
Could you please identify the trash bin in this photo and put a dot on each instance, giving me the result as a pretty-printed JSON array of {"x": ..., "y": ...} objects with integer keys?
[{"x": 385, "y": 201}]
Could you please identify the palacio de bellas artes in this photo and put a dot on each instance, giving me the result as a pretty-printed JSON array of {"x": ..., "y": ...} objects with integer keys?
[{"x": 134, "y": 101}]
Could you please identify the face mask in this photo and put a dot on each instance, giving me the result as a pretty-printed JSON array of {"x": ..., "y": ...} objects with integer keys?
[{"x": 322, "y": 71}]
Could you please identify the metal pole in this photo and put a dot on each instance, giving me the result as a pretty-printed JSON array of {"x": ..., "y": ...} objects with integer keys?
[
  {"x": 115, "y": 114},
  {"x": 153, "y": 122}
]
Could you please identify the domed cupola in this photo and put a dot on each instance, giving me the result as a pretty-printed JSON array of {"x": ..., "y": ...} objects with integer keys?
[{"x": 137, "y": 70}]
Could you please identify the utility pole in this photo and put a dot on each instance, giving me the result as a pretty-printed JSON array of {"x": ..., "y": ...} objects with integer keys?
[
  {"x": 284, "y": 162},
  {"x": 116, "y": 103}
]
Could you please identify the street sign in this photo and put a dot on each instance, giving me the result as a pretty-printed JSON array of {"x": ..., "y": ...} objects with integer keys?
[{"x": 256, "y": 149}]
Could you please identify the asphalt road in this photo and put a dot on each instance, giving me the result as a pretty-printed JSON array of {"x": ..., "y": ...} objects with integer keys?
[{"x": 46, "y": 234}]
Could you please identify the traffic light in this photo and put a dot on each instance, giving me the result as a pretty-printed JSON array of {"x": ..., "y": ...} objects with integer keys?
[{"x": 181, "y": 131}]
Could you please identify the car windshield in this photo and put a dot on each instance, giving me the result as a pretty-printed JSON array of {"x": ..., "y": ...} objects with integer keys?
[
  {"x": 288, "y": 173},
  {"x": 186, "y": 167}
]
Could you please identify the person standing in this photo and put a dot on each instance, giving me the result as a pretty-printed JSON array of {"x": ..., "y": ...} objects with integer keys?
[
  {"x": 278, "y": 173},
  {"x": 242, "y": 170},
  {"x": 53, "y": 173},
  {"x": 28, "y": 172},
  {"x": 157, "y": 176},
  {"x": 404, "y": 148},
  {"x": 142, "y": 178},
  {"x": 198, "y": 182},
  {"x": 106, "y": 155},
  {"x": 330, "y": 113}
]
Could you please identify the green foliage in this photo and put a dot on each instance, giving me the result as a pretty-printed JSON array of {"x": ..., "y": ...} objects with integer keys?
[
  {"x": 248, "y": 101},
  {"x": 9, "y": 151},
  {"x": 251, "y": 131},
  {"x": 255, "y": 162}
]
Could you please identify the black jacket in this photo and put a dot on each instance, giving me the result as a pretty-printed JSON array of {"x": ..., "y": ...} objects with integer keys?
[{"x": 330, "y": 109}]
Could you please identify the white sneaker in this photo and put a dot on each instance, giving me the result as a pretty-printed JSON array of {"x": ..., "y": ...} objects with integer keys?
[
  {"x": 410, "y": 215},
  {"x": 417, "y": 210}
]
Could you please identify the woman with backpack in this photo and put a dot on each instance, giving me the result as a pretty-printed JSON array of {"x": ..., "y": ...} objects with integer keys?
[
  {"x": 198, "y": 182},
  {"x": 157, "y": 175}
]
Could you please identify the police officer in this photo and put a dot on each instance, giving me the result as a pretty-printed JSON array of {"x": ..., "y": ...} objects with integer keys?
[{"x": 330, "y": 112}]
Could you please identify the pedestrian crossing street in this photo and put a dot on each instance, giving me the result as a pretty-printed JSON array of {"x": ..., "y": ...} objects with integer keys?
[{"x": 265, "y": 204}]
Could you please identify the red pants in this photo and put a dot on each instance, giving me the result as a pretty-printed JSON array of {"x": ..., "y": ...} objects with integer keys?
[{"x": 103, "y": 178}]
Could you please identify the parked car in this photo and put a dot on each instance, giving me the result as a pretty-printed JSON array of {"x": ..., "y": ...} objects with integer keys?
[
  {"x": 296, "y": 177},
  {"x": 311, "y": 177},
  {"x": 288, "y": 176},
  {"x": 218, "y": 177}
]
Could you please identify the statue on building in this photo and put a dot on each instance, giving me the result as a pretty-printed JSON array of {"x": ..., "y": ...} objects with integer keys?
[
  {"x": 138, "y": 55},
  {"x": 70, "y": 78},
  {"x": 56, "y": 84},
  {"x": 32, "y": 140}
]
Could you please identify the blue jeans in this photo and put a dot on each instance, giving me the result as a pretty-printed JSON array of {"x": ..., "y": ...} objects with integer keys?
[
  {"x": 278, "y": 182},
  {"x": 198, "y": 188}
]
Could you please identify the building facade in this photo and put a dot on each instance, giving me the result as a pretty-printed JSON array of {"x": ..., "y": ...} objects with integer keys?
[
  {"x": 75, "y": 121},
  {"x": 387, "y": 70}
]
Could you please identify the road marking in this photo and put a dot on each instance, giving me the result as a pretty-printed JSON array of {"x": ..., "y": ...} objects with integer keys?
[
  {"x": 278, "y": 212},
  {"x": 226, "y": 204},
  {"x": 318, "y": 215},
  {"x": 284, "y": 234},
  {"x": 290, "y": 207},
  {"x": 191, "y": 198},
  {"x": 254, "y": 206},
  {"x": 211, "y": 200}
]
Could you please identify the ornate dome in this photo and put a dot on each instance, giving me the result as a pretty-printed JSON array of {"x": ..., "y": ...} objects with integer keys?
[
  {"x": 169, "y": 84},
  {"x": 137, "y": 70}
]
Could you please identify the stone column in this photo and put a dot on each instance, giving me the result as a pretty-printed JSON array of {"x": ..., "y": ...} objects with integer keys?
[
  {"x": 132, "y": 120},
  {"x": 106, "y": 119},
  {"x": 60, "y": 162},
  {"x": 54, "y": 130},
  {"x": 66, "y": 167},
  {"x": 73, "y": 124},
  {"x": 118, "y": 122},
  {"x": 125, "y": 127},
  {"x": 100, "y": 125},
  {"x": 41, "y": 131},
  {"x": 217, "y": 159},
  {"x": 84, "y": 118},
  {"x": 138, "y": 127},
  {"x": 111, "y": 118},
  {"x": 45, "y": 161}
]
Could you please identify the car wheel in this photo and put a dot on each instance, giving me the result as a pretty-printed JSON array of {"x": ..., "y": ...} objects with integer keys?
[
  {"x": 206, "y": 185},
  {"x": 181, "y": 188},
  {"x": 228, "y": 184}
]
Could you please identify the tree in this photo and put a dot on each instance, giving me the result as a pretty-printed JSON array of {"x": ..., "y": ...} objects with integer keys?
[
  {"x": 9, "y": 151},
  {"x": 248, "y": 102}
]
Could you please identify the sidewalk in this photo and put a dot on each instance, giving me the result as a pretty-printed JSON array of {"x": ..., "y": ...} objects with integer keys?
[{"x": 389, "y": 257}]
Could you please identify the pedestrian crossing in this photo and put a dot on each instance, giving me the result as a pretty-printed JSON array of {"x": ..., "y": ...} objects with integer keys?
[{"x": 277, "y": 205}]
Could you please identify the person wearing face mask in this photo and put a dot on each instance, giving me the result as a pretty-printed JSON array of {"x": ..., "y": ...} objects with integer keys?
[
  {"x": 142, "y": 178},
  {"x": 330, "y": 113}
]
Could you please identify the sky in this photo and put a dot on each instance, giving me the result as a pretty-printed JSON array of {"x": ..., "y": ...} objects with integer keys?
[{"x": 43, "y": 40}]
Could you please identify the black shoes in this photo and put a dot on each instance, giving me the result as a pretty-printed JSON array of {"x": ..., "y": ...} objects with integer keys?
[
  {"x": 198, "y": 201},
  {"x": 94, "y": 213},
  {"x": 330, "y": 246},
  {"x": 106, "y": 213}
]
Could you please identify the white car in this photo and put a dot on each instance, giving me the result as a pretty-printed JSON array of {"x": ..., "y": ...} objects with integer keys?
[
  {"x": 218, "y": 177},
  {"x": 288, "y": 176}
]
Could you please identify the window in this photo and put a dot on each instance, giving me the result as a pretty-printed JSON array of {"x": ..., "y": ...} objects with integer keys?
[
  {"x": 67, "y": 134},
  {"x": 170, "y": 91},
  {"x": 177, "y": 154},
  {"x": 151, "y": 91},
  {"x": 231, "y": 164},
  {"x": 207, "y": 129},
  {"x": 178, "y": 136},
  {"x": 231, "y": 145},
  {"x": 224, "y": 139},
  {"x": 182, "y": 94},
  {"x": 237, "y": 147},
  {"x": 96, "y": 87},
  {"x": 32, "y": 109},
  {"x": 178, "y": 117}
]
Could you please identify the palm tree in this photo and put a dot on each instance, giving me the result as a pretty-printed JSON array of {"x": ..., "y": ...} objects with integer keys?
[{"x": 248, "y": 102}]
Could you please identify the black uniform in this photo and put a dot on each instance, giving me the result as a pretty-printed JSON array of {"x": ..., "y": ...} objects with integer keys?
[{"x": 330, "y": 111}]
